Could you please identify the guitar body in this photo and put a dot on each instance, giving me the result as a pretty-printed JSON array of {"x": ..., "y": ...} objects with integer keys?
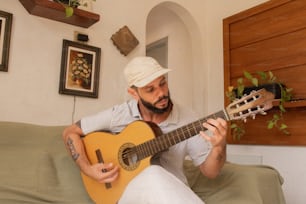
[{"x": 113, "y": 148}]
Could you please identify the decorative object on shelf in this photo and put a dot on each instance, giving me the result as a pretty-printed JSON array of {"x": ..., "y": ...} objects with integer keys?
[
  {"x": 80, "y": 68},
  {"x": 80, "y": 37},
  {"x": 5, "y": 38},
  {"x": 55, "y": 11},
  {"x": 268, "y": 81},
  {"x": 69, "y": 5},
  {"x": 86, "y": 5},
  {"x": 124, "y": 40}
]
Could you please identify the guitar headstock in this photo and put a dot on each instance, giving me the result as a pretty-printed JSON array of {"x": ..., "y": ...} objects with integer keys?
[{"x": 257, "y": 102}]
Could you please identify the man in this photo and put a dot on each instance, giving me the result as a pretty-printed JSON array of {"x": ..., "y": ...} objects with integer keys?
[{"x": 164, "y": 183}]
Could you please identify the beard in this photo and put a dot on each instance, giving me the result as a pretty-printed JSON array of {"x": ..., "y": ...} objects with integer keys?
[{"x": 153, "y": 108}]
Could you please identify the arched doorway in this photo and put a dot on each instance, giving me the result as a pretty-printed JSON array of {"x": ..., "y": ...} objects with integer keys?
[{"x": 171, "y": 25}]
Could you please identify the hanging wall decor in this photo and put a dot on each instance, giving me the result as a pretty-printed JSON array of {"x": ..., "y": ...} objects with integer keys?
[
  {"x": 124, "y": 40},
  {"x": 80, "y": 68},
  {"x": 5, "y": 36}
]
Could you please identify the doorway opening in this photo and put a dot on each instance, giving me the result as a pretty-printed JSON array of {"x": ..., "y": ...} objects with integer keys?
[{"x": 159, "y": 51}]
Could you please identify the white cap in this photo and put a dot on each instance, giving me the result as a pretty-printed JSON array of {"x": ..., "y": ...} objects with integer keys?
[{"x": 140, "y": 71}]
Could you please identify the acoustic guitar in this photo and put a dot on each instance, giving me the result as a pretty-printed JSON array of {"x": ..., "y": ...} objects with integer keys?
[{"x": 133, "y": 148}]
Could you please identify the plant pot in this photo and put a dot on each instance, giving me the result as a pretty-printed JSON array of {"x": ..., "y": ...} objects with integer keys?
[
  {"x": 66, "y": 2},
  {"x": 63, "y": 1},
  {"x": 272, "y": 87}
]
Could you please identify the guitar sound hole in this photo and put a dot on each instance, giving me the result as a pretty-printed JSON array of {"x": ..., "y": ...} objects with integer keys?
[{"x": 128, "y": 158}]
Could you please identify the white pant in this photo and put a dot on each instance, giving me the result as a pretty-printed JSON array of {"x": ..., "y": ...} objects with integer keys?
[{"x": 155, "y": 185}]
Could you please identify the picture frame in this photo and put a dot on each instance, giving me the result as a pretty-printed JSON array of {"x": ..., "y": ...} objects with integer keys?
[
  {"x": 80, "y": 69},
  {"x": 5, "y": 38}
]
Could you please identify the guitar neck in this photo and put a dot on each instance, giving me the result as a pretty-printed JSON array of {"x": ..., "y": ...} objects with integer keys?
[{"x": 163, "y": 142}]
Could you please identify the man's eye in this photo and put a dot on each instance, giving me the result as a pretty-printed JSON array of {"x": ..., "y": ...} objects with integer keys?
[
  {"x": 150, "y": 90},
  {"x": 163, "y": 83}
]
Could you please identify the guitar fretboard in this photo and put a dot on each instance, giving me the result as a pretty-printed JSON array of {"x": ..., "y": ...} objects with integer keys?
[{"x": 163, "y": 142}]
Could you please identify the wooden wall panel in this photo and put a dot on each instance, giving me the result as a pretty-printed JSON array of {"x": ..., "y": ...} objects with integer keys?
[
  {"x": 270, "y": 54},
  {"x": 270, "y": 36},
  {"x": 280, "y": 19}
]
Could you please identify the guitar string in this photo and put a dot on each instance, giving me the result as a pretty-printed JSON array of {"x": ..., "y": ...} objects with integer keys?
[
  {"x": 163, "y": 141},
  {"x": 190, "y": 128}
]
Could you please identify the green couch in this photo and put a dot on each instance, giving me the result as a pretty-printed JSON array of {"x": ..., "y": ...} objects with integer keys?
[{"x": 36, "y": 168}]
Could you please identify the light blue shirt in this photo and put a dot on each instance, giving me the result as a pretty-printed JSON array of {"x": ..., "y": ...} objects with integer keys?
[{"x": 115, "y": 119}]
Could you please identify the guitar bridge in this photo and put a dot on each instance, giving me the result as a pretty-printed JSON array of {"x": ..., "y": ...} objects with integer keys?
[{"x": 100, "y": 160}]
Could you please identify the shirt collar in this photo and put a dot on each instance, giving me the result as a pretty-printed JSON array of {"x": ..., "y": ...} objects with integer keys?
[{"x": 135, "y": 111}]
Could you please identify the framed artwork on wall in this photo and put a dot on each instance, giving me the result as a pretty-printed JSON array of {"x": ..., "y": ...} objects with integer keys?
[
  {"x": 5, "y": 37},
  {"x": 80, "y": 68}
]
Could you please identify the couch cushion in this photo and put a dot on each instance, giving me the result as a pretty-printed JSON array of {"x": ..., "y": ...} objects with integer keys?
[
  {"x": 238, "y": 184},
  {"x": 36, "y": 168}
]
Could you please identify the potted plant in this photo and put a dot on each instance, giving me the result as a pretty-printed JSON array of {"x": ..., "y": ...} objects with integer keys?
[
  {"x": 69, "y": 5},
  {"x": 258, "y": 81}
]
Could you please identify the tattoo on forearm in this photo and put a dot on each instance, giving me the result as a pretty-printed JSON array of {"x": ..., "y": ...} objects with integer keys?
[{"x": 72, "y": 149}]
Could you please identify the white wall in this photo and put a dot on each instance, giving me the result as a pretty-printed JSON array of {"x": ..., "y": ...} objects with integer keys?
[{"x": 29, "y": 91}]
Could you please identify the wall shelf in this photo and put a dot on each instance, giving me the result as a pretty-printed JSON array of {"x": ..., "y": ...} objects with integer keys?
[{"x": 55, "y": 11}]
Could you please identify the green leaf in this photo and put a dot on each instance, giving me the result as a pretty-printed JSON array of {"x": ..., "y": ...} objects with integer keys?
[
  {"x": 254, "y": 81},
  {"x": 270, "y": 124},
  {"x": 271, "y": 76},
  {"x": 281, "y": 107},
  {"x": 283, "y": 126},
  {"x": 68, "y": 11},
  {"x": 240, "y": 90},
  {"x": 286, "y": 132},
  {"x": 248, "y": 75},
  {"x": 233, "y": 125},
  {"x": 288, "y": 89},
  {"x": 276, "y": 117},
  {"x": 240, "y": 81},
  {"x": 262, "y": 75}
]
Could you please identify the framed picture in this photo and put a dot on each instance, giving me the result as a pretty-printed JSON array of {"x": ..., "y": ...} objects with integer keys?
[
  {"x": 5, "y": 37},
  {"x": 80, "y": 68}
]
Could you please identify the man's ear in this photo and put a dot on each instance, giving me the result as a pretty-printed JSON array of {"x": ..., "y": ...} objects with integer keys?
[{"x": 133, "y": 93}]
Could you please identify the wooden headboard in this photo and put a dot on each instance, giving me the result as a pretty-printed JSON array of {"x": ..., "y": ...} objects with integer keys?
[{"x": 270, "y": 36}]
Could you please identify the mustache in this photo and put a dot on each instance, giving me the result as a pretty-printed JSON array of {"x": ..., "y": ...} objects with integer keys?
[{"x": 161, "y": 98}]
